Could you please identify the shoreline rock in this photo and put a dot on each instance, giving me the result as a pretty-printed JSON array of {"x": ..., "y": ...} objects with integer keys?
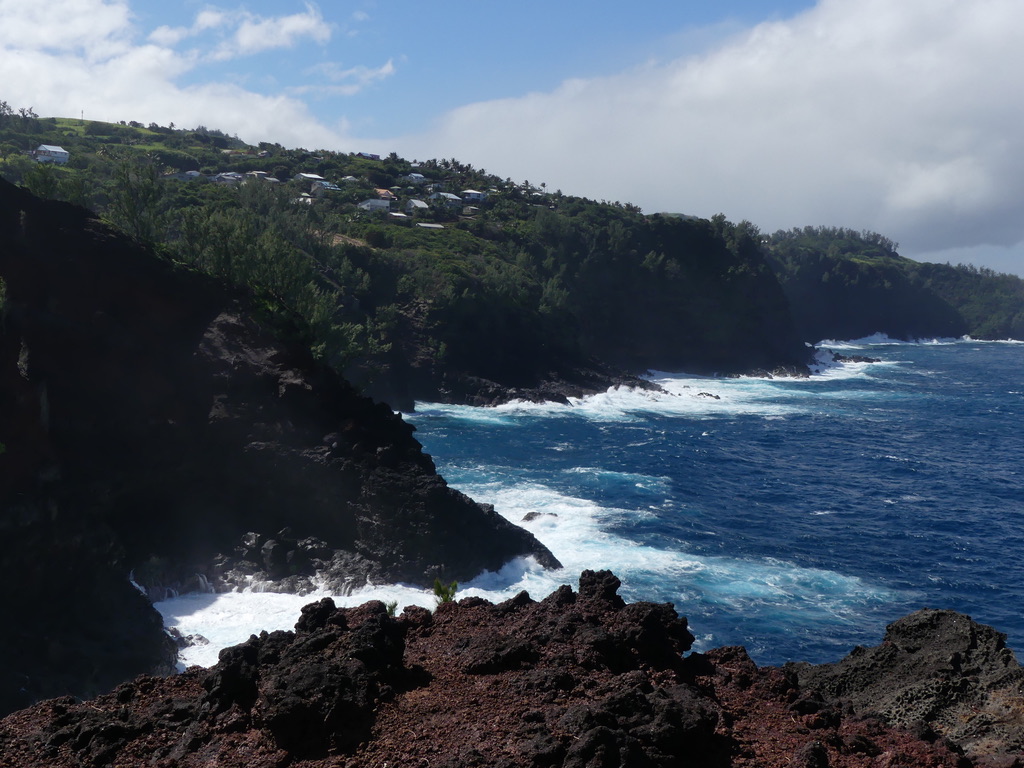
[
  {"x": 935, "y": 671},
  {"x": 579, "y": 678}
]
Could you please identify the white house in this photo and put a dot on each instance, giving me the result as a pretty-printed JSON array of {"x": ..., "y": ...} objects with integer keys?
[
  {"x": 473, "y": 196},
  {"x": 50, "y": 153},
  {"x": 320, "y": 187},
  {"x": 414, "y": 178},
  {"x": 415, "y": 206},
  {"x": 375, "y": 205},
  {"x": 447, "y": 198},
  {"x": 310, "y": 177}
]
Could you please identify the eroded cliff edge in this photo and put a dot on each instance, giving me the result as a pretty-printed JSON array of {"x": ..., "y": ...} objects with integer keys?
[{"x": 151, "y": 422}]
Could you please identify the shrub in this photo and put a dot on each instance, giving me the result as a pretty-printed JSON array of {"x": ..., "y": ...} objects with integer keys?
[{"x": 445, "y": 593}]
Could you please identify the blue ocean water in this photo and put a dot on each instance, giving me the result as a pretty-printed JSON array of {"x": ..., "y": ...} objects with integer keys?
[{"x": 795, "y": 517}]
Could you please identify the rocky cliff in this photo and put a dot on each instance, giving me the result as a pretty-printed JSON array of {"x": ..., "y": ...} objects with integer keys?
[
  {"x": 151, "y": 423},
  {"x": 578, "y": 679}
]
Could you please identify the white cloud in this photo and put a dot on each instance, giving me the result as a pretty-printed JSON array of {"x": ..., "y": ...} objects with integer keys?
[
  {"x": 346, "y": 82},
  {"x": 207, "y": 19},
  {"x": 210, "y": 18},
  {"x": 256, "y": 34},
  {"x": 93, "y": 64},
  {"x": 95, "y": 28},
  {"x": 899, "y": 117},
  {"x": 246, "y": 34}
]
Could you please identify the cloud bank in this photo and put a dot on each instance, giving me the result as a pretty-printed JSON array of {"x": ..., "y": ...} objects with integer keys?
[
  {"x": 94, "y": 62},
  {"x": 902, "y": 118}
]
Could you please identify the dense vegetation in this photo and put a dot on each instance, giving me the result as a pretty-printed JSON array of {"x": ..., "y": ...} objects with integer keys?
[
  {"x": 519, "y": 286},
  {"x": 844, "y": 284},
  {"x": 508, "y": 282}
]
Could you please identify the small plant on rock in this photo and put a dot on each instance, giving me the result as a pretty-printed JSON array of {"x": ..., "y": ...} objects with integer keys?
[
  {"x": 445, "y": 593},
  {"x": 392, "y": 607}
]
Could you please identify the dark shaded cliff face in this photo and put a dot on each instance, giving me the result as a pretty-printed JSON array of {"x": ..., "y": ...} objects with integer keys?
[
  {"x": 842, "y": 298},
  {"x": 149, "y": 423},
  {"x": 595, "y": 297}
]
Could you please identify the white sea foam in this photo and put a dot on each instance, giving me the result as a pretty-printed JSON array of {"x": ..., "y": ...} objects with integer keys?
[
  {"x": 578, "y": 536},
  {"x": 684, "y": 395},
  {"x": 883, "y": 340},
  {"x": 577, "y": 533},
  {"x": 636, "y": 479},
  {"x": 230, "y": 618},
  {"x": 580, "y": 532}
]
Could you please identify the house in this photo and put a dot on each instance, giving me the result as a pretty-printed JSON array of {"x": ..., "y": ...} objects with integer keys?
[
  {"x": 228, "y": 177},
  {"x": 414, "y": 178},
  {"x": 50, "y": 153},
  {"x": 447, "y": 198},
  {"x": 473, "y": 196},
  {"x": 184, "y": 176},
  {"x": 375, "y": 205},
  {"x": 308, "y": 177},
  {"x": 320, "y": 187},
  {"x": 386, "y": 194},
  {"x": 416, "y": 206},
  {"x": 430, "y": 226}
]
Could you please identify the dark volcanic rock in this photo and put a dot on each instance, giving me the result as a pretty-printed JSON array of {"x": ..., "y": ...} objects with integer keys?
[
  {"x": 577, "y": 679},
  {"x": 150, "y": 422},
  {"x": 938, "y": 672}
]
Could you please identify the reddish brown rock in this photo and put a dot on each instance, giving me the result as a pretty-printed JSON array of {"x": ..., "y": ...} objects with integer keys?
[{"x": 579, "y": 679}]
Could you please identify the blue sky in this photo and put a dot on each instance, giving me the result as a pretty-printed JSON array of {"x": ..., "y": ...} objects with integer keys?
[
  {"x": 384, "y": 68},
  {"x": 899, "y": 117}
]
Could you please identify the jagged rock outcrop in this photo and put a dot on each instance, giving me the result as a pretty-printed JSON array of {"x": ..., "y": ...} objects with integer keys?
[
  {"x": 935, "y": 671},
  {"x": 152, "y": 423},
  {"x": 578, "y": 679}
]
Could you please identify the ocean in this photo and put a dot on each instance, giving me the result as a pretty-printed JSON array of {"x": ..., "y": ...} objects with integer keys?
[{"x": 796, "y": 517}]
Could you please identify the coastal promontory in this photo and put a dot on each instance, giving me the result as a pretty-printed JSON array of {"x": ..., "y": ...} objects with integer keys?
[{"x": 155, "y": 426}]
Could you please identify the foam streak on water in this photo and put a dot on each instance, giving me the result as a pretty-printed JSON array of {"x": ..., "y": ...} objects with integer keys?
[{"x": 794, "y": 516}]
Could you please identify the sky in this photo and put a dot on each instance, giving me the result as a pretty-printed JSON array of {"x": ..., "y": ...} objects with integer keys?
[{"x": 901, "y": 117}]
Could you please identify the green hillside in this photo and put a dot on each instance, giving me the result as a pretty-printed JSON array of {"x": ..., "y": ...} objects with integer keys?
[
  {"x": 843, "y": 284},
  {"x": 438, "y": 280},
  {"x": 507, "y": 284}
]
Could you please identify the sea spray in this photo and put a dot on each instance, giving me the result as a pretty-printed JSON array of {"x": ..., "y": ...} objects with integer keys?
[{"x": 794, "y": 516}]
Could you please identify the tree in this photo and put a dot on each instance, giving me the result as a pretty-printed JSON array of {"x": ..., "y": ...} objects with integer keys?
[
  {"x": 135, "y": 201},
  {"x": 42, "y": 180}
]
